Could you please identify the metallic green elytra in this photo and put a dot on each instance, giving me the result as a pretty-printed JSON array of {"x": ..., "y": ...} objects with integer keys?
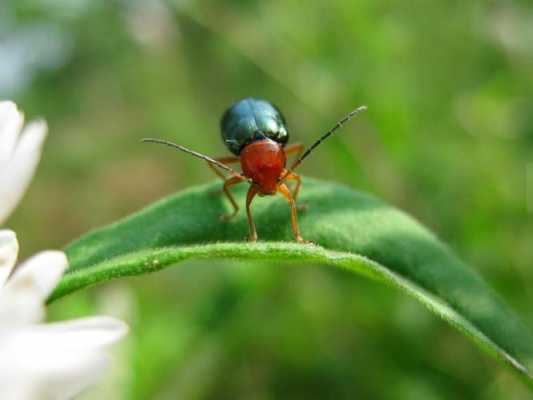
[{"x": 249, "y": 120}]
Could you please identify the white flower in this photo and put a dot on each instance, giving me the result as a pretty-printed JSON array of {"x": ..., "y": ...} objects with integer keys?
[
  {"x": 20, "y": 150},
  {"x": 37, "y": 360}
]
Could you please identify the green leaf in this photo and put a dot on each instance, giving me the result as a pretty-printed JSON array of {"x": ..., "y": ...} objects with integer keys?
[{"x": 351, "y": 230}]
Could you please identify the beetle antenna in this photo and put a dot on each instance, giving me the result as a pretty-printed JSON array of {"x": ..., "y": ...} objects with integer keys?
[
  {"x": 192, "y": 152},
  {"x": 340, "y": 123}
]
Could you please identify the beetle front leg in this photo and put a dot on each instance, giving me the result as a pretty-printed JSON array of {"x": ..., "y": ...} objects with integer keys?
[
  {"x": 293, "y": 176},
  {"x": 223, "y": 160},
  {"x": 225, "y": 188},
  {"x": 284, "y": 190},
  {"x": 254, "y": 189}
]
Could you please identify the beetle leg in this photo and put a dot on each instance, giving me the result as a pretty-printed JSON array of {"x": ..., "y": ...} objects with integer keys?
[
  {"x": 254, "y": 189},
  {"x": 293, "y": 176},
  {"x": 284, "y": 190},
  {"x": 297, "y": 148},
  {"x": 223, "y": 160},
  {"x": 225, "y": 188}
]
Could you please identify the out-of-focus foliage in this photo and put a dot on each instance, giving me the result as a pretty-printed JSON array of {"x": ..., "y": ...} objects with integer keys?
[{"x": 448, "y": 137}]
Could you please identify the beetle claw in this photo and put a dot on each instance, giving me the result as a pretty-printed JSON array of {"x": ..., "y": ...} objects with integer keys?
[{"x": 301, "y": 240}]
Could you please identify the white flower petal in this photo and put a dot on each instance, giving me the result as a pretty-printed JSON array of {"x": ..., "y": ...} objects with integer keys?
[
  {"x": 9, "y": 249},
  {"x": 87, "y": 333},
  {"x": 39, "y": 274},
  {"x": 33, "y": 358},
  {"x": 39, "y": 361},
  {"x": 23, "y": 295},
  {"x": 19, "y": 309},
  {"x": 11, "y": 121},
  {"x": 35, "y": 348},
  {"x": 68, "y": 383},
  {"x": 16, "y": 174},
  {"x": 58, "y": 360},
  {"x": 15, "y": 389}
]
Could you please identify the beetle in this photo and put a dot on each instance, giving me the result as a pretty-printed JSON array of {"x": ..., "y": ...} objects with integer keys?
[{"x": 255, "y": 131}]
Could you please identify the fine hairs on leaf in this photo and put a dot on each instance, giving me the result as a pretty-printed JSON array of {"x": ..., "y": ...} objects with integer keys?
[{"x": 352, "y": 230}]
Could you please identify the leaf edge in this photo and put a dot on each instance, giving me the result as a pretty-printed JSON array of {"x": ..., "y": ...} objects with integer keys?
[{"x": 156, "y": 259}]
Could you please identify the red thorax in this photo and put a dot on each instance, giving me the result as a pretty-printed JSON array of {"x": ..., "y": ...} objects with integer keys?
[{"x": 263, "y": 161}]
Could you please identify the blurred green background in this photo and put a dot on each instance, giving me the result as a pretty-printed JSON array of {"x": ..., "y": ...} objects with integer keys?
[{"x": 448, "y": 138}]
